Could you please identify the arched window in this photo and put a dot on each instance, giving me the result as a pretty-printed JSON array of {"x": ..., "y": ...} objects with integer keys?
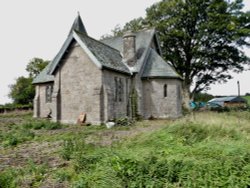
[{"x": 165, "y": 90}]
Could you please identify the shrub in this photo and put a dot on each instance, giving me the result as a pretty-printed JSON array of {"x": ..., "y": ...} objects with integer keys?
[{"x": 124, "y": 122}]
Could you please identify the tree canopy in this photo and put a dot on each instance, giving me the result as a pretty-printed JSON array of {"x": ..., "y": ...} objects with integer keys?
[
  {"x": 35, "y": 66},
  {"x": 22, "y": 91},
  {"x": 202, "y": 39}
]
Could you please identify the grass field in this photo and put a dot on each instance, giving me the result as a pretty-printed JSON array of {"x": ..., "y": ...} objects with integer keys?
[{"x": 204, "y": 149}]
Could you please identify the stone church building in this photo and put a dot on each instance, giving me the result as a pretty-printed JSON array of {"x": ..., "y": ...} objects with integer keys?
[{"x": 107, "y": 79}]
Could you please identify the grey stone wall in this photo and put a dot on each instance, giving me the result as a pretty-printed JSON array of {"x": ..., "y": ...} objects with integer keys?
[
  {"x": 42, "y": 108},
  {"x": 81, "y": 87},
  {"x": 79, "y": 81},
  {"x": 158, "y": 106},
  {"x": 140, "y": 94},
  {"x": 36, "y": 103},
  {"x": 114, "y": 108}
]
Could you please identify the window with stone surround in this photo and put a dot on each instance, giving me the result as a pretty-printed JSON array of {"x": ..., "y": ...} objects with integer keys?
[
  {"x": 49, "y": 91},
  {"x": 119, "y": 89}
]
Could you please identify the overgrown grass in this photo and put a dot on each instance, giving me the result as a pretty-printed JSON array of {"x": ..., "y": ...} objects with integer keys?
[
  {"x": 30, "y": 176},
  {"x": 16, "y": 129},
  {"x": 208, "y": 150},
  {"x": 200, "y": 150}
]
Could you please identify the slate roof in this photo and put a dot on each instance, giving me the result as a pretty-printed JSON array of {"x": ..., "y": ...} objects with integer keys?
[
  {"x": 108, "y": 57},
  {"x": 60, "y": 54},
  {"x": 78, "y": 26},
  {"x": 143, "y": 41},
  {"x": 44, "y": 77},
  {"x": 107, "y": 54},
  {"x": 228, "y": 99},
  {"x": 156, "y": 67}
]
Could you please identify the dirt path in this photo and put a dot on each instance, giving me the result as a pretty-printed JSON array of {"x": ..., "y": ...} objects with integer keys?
[{"x": 39, "y": 153}]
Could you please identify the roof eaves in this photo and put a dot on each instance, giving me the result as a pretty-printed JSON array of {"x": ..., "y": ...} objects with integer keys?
[
  {"x": 60, "y": 54},
  {"x": 43, "y": 82},
  {"x": 158, "y": 42},
  {"x": 130, "y": 69},
  {"x": 117, "y": 70},
  {"x": 160, "y": 77},
  {"x": 85, "y": 48}
]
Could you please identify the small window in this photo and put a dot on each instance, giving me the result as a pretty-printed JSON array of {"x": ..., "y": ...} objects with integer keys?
[
  {"x": 119, "y": 90},
  {"x": 179, "y": 92},
  {"x": 165, "y": 90},
  {"x": 49, "y": 91},
  {"x": 116, "y": 89}
]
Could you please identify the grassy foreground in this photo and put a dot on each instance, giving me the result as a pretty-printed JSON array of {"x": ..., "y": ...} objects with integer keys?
[{"x": 205, "y": 149}]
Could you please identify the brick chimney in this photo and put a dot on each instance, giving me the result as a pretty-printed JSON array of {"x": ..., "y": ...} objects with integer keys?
[{"x": 129, "y": 49}]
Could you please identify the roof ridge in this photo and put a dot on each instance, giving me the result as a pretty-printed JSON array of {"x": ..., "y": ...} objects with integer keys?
[{"x": 77, "y": 32}]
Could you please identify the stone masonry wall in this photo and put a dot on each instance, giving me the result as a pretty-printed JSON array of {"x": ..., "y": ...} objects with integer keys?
[
  {"x": 44, "y": 107},
  {"x": 80, "y": 87},
  {"x": 114, "y": 108},
  {"x": 158, "y": 106}
]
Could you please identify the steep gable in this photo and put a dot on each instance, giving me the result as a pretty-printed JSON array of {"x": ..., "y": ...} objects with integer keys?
[{"x": 78, "y": 26}]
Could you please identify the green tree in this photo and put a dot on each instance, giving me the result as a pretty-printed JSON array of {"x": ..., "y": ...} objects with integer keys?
[
  {"x": 35, "y": 66},
  {"x": 202, "y": 39},
  {"x": 202, "y": 97},
  {"x": 134, "y": 25},
  {"x": 22, "y": 92}
]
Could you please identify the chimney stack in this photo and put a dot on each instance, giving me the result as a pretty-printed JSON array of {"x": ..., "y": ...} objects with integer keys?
[{"x": 129, "y": 49}]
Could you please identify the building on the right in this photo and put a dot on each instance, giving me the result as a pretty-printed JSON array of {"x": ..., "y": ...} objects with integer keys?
[{"x": 234, "y": 101}]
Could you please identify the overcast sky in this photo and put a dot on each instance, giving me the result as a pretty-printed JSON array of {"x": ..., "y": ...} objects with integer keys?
[{"x": 38, "y": 28}]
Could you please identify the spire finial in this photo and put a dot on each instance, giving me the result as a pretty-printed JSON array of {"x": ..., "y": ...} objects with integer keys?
[{"x": 78, "y": 25}]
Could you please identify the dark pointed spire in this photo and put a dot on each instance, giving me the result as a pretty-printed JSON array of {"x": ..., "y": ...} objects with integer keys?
[{"x": 78, "y": 25}]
